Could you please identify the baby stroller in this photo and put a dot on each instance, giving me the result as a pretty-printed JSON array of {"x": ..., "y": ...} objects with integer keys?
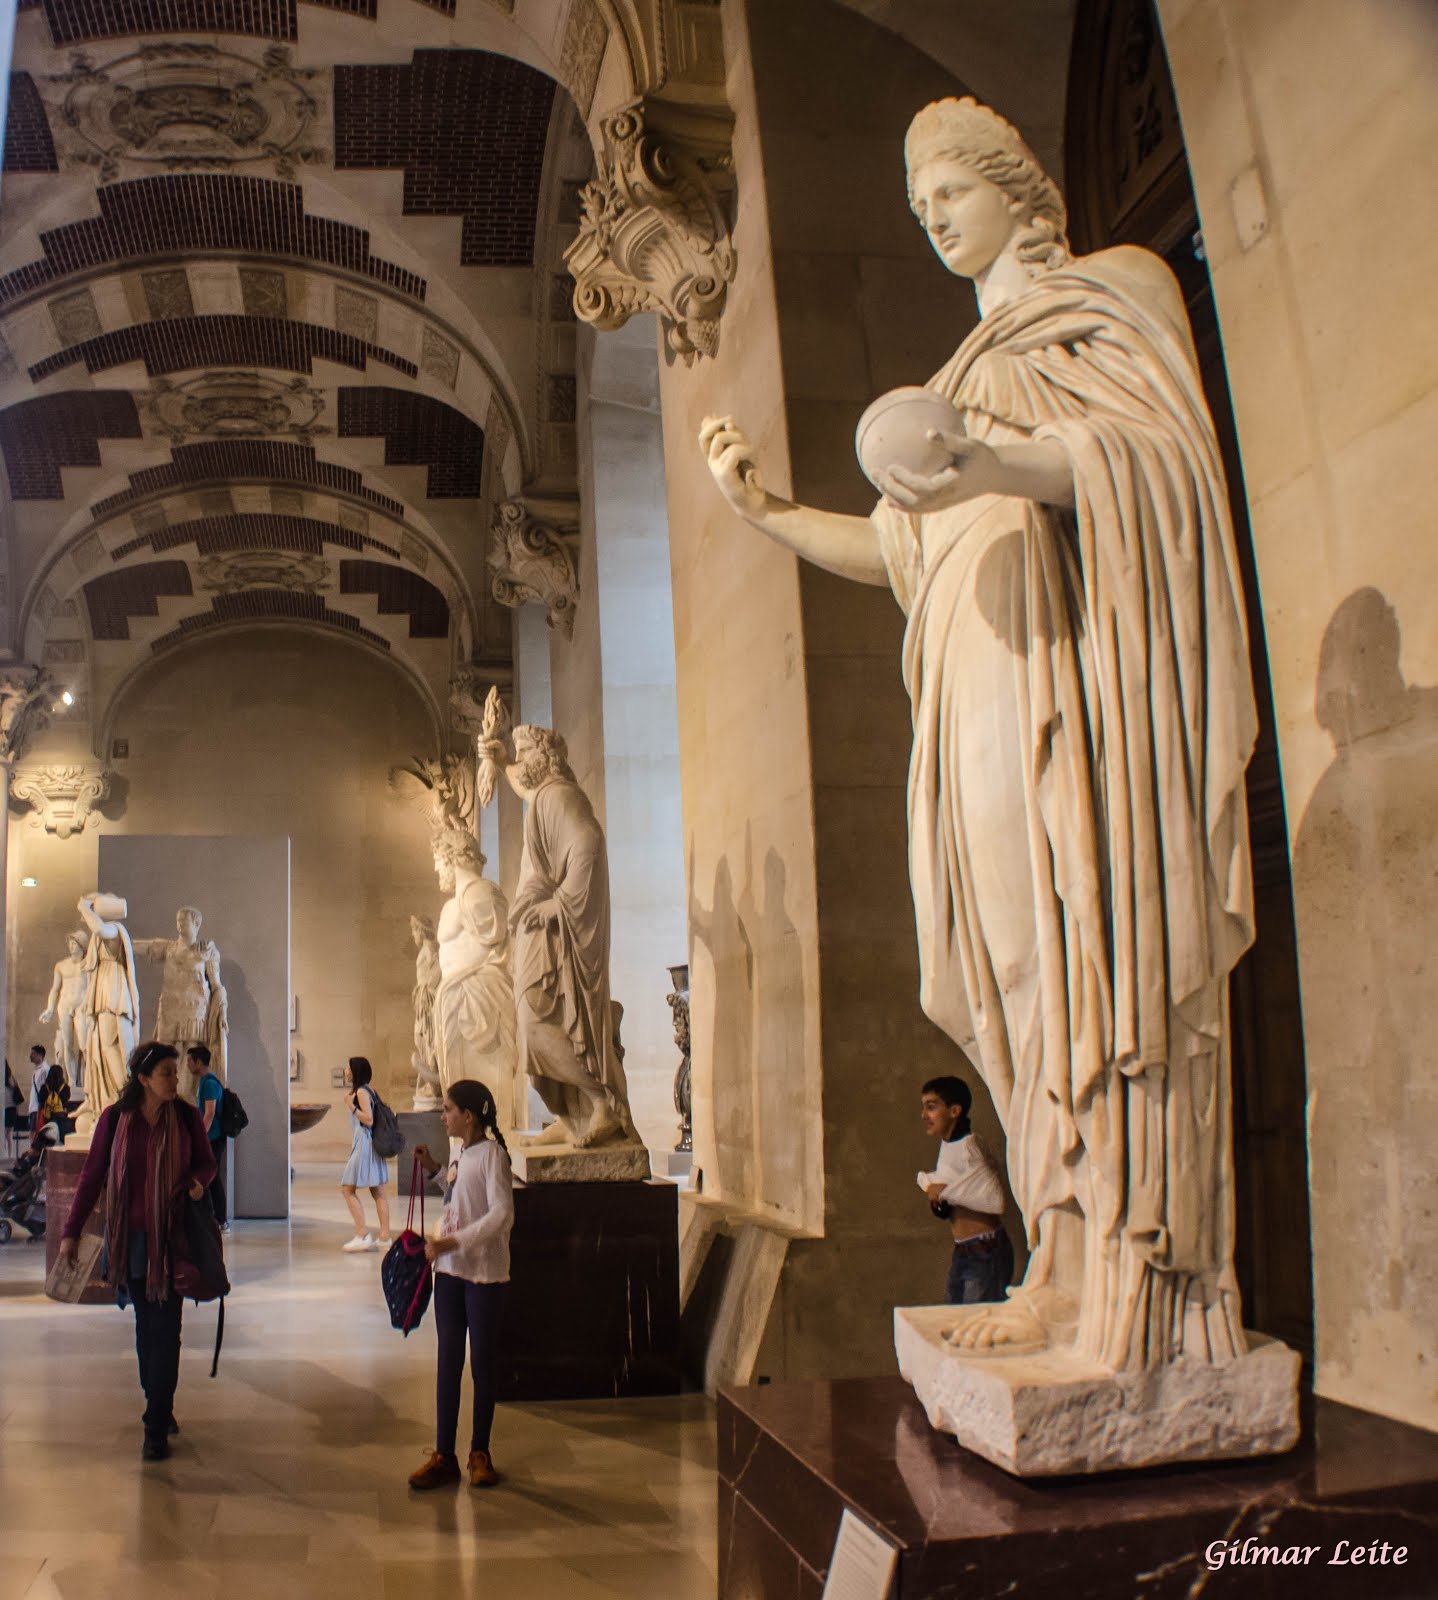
[{"x": 22, "y": 1196}]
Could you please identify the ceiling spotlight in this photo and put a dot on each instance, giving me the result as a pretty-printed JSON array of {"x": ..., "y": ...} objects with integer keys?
[{"x": 67, "y": 699}]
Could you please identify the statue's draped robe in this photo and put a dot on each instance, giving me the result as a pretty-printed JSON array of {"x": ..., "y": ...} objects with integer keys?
[
  {"x": 567, "y": 959},
  {"x": 473, "y": 1017},
  {"x": 422, "y": 997},
  {"x": 1083, "y": 714},
  {"x": 192, "y": 1007},
  {"x": 111, "y": 1007}
]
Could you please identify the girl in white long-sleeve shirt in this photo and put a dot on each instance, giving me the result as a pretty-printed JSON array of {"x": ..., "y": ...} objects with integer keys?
[{"x": 471, "y": 1273}]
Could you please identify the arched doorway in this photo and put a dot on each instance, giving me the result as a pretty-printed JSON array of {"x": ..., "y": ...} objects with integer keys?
[{"x": 1127, "y": 182}]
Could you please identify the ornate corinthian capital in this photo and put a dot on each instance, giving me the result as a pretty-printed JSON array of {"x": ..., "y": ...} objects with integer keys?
[
  {"x": 654, "y": 238},
  {"x": 61, "y": 798},
  {"x": 24, "y": 691},
  {"x": 531, "y": 559}
]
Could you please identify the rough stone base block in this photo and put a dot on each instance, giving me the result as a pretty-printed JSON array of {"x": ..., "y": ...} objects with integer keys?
[
  {"x": 562, "y": 1163},
  {"x": 1051, "y": 1413}
]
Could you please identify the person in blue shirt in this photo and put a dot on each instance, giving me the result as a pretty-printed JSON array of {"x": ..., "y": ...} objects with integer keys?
[{"x": 209, "y": 1098}]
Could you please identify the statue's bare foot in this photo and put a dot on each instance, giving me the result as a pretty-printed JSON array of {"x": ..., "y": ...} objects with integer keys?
[
  {"x": 555, "y": 1133},
  {"x": 603, "y": 1127},
  {"x": 1029, "y": 1320}
]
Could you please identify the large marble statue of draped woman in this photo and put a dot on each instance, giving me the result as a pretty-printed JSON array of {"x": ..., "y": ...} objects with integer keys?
[
  {"x": 1077, "y": 662},
  {"x": 474, "y": 1017}
]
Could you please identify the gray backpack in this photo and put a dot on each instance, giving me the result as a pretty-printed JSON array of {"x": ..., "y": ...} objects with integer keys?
[{"x": 385, "y": 1134}]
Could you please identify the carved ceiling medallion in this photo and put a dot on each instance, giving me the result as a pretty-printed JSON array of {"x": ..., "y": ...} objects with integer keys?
[
  {"x": 263, "y": 569},
  {"x": 189, "y": 106},
  {"x": 234, "y": 405}
]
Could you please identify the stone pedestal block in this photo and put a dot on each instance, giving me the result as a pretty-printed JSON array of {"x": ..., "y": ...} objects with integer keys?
[
  {"x": 672, "y": 1163},
  {"x": 62, "y": 1177},
  {"x": 562, "y": 1163},
  {"x": 426, "y": 1128},
  {"x": 1053, "y": 1414},
  {"x": 593, "y": 1306}
]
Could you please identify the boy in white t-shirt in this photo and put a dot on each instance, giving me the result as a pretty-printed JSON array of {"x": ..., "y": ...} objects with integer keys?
[{"x": 966, "y": 1191}]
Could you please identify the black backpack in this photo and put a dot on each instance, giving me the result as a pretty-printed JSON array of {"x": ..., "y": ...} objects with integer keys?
[
  {"x": 234, "y": 1119},
  {"x": 201, "y": 1275},
  {"x": 385, "y": 1135}
]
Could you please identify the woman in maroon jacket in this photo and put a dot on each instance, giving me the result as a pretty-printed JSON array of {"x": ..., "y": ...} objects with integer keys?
[{"x": 149, "y": 1148}]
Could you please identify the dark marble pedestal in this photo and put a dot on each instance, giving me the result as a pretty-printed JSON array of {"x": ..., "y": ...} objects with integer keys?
[
  {"x": 62, "y": 1177},
  {"x": 426, "y": 1128},
  {"x": 793, "y": 1456},
  {"x": 593, "y": 1306}
]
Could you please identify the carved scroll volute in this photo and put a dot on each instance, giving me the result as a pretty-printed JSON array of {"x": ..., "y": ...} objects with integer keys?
[
  {"x": 654, "y": 238},
  {"x": 531, "y": 560},
  {"x": 61, "y": 798}
]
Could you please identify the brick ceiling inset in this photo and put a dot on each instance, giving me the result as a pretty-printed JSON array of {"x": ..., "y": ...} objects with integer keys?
[
  {"x": 117, "y": 596},
  {"x": 418, "y": 432},
  {"x": 198, "y": 214},
  {"x": 28, "y": 145},
  {"x": 239, "y": 461},
  {"x": 261, "y": 605},
  {"x": 38, "y": 437},
  {"x": 469, "y": 129},
  {"x": 74, "y": 20},
  {"x": 185, "y": 344},
  {"x": 399, "y": 591},
  {"x": 245, "y": 530}
]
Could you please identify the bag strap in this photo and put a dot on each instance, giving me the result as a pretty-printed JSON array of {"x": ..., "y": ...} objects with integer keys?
[
  {"x": 219, "y": 1338},
  {"x": 417, "y": 1182}
]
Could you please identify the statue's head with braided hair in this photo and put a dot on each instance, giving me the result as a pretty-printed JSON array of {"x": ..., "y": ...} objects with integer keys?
[{"x": 953, "y": 134}]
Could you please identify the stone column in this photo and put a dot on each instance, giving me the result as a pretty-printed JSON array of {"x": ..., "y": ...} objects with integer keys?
[{"x": 24, "y": 691}]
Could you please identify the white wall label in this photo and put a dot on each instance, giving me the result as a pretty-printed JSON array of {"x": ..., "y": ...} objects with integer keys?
[{"x": 862, "y": 1565}]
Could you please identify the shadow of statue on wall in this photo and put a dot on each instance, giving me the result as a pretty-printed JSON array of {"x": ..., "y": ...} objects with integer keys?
[
  {"x": 782, "y": 1137},
  {"x": 729, "y": 1077},
  {"x": 251, "y": 1074},
  {"x": 1365, "y": 878}
]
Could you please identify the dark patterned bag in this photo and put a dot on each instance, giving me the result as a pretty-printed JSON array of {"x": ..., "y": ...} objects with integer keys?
[{"x": 406, "y": 1277}]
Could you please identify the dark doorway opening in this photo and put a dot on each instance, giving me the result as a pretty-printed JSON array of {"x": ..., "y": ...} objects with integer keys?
[{"x": 1127, "y": 182}]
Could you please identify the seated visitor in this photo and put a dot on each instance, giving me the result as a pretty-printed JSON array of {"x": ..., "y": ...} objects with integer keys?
[
  {"x": 149, "y": 1147},
  {"x": 364, "y": 1169},
  {"x": 965, "y": 1190},
  {"x": 52, "y": 1118},
  {"x": 471, "y": 1275}
]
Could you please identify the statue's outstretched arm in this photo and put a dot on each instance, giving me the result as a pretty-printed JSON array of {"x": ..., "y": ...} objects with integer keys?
[{"x": 847, "y": 546}]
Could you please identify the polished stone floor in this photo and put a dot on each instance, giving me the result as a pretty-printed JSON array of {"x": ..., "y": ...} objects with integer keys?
[{"x": 289, "y": 1476}]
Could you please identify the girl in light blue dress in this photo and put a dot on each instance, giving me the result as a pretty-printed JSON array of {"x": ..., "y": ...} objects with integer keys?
[{"x": 364, "y": 1169}]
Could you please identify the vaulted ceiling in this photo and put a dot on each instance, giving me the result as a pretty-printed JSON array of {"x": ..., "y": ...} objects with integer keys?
[{"x": 283, "y": 316}]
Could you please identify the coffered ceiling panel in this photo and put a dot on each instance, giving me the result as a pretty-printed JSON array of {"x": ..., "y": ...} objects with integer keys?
[{"x": 259, "y": 260}]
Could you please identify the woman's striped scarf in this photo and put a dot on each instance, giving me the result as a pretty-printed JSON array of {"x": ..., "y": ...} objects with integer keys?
[{"x": 162, "y": 1183}]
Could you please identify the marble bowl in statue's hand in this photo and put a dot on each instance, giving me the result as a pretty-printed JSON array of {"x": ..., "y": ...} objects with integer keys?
[{"x": 894, "y": 432}]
